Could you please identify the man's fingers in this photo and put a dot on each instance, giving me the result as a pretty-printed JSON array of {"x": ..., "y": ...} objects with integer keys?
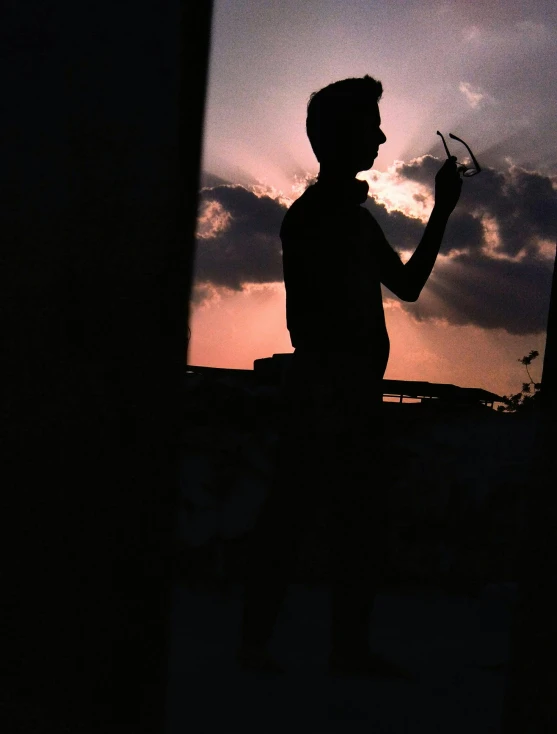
[
  {"x": 448, "y": 169},
  {"x": 449, "y": 164}
]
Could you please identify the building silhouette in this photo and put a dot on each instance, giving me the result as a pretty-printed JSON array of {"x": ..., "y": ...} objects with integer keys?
[{"x": 271, "y": 370}]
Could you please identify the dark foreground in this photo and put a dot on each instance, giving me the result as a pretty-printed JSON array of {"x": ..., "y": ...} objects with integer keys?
[{"x": 452, "y": 643}]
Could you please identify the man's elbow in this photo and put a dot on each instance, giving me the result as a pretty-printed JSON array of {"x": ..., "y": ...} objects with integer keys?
[
  {"x": 413, "y": 296},
  {"x": 409, "y": 294},
  {"x": 405, "y": 289}
]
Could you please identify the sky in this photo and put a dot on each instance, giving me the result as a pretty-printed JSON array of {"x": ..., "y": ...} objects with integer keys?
[{"x": 483, "y": 71}]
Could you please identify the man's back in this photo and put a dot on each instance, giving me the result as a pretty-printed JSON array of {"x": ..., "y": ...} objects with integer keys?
[{"x": 331, "y": 259}]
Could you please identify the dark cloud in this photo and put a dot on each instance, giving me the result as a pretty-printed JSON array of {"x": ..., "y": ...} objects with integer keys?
[
  {"x": 506, "y": 287},
  {"x": 422, "y": 170},
  {"x": 247, "y": 249},
  {"x": 474, "y": 289},
  {"x": 464, "y": 232},
  {"x": 210, "y": 180},
  {"x": 402, "y": 232},
  {"x": 523, "y": 205}
]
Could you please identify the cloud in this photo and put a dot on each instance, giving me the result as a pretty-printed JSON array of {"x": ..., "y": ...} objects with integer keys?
[
  {"x": 475, "y": 289},
  {"x": 521, "y": 203},
  {"x": 496, "y": 261},
  {"x": 237, "y": 238},
  {"x": 498, "y": 250},
  {"x": 403, "y": 231},
  {"x": 502, "y": 34},
  {"x": 210, "y": 180},
  {"x": 464, "y": 231},
  {"x": 472, "y": 33},
  {"x": 472, "y": 95}
]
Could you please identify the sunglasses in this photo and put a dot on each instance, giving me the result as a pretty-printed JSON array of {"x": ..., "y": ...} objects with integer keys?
[{"x": 462, "y": 168}]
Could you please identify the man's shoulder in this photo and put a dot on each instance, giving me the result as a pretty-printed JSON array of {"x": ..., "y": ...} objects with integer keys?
[
  {"x": 301, "y": 210},
  {"x": 308, "y": 199}
]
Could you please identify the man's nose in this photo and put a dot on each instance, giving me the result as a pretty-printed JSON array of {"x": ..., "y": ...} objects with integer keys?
[{"x": 382, "y": 137}]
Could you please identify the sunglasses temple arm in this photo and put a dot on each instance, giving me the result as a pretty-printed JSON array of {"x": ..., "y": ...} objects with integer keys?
[
  {"x": 472, "y": 156},
  {"x": 444, "y": 143}
]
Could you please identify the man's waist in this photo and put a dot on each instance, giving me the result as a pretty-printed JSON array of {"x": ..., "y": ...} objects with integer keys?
[
  {"x": 334, "y": 348},
  {"x": 365, "y": 342}
]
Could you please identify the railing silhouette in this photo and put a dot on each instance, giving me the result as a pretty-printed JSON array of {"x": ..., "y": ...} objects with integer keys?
[{"x": 270, "y": 370}]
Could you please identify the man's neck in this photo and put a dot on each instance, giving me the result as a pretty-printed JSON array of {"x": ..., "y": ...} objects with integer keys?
[
  {"x": 336, "y": 174},
  {"x": 343, "y": 184}
]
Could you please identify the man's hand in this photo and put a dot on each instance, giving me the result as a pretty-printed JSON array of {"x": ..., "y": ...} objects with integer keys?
[{"x": 448, "y": 184}]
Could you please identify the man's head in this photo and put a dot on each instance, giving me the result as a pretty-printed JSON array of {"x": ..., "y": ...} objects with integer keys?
[{"x": 343, "y": 123}]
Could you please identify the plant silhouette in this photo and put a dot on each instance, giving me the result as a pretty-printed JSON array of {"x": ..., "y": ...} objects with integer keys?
[{"x": 528, "y": 398}]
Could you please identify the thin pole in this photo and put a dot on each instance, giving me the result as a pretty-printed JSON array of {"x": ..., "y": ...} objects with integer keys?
[{"x": 530, "y": 703}]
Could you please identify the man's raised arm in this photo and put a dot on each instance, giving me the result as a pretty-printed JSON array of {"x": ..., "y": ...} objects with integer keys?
[{"x": 407, "y": 280}]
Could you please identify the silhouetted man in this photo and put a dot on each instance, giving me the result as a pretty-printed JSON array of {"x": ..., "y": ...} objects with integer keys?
[{"x": 335, "y": 257}]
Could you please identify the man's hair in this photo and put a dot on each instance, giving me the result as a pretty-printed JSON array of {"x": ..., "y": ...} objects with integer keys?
[{"x": 334, "y": 107}]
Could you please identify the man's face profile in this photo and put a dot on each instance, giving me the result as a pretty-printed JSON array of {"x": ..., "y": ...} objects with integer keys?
[
  {"x": 367, "y": 137},
  {"x": 357, "y": 141}
]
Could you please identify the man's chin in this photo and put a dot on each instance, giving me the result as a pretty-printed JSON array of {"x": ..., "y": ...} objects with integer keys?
[
  {"x": 371, "y": 161},
  {"x": 367, "y": 167}
]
